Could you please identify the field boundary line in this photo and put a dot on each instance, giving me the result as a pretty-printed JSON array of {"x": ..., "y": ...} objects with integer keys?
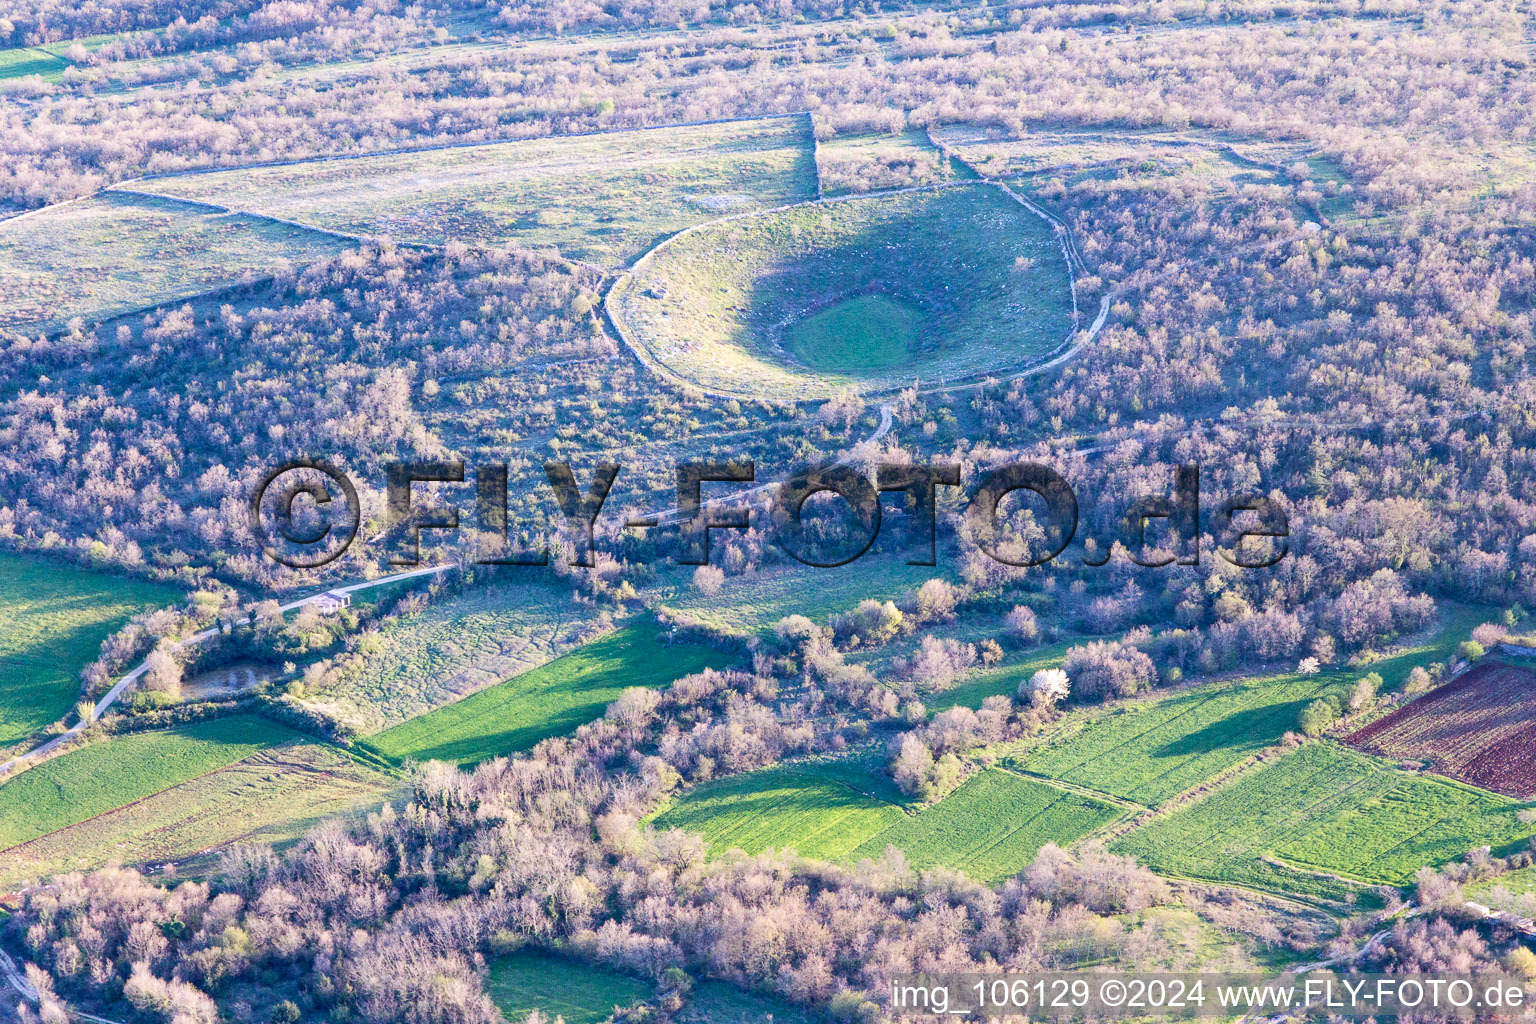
[
  {"x": 1306, "y": 900},
  {"x": 1275, "y": 860},
  {"x": 1074, "y": 788},
  {"x": 1200, "y": 791},
  {"x": 230, "y": 211}
]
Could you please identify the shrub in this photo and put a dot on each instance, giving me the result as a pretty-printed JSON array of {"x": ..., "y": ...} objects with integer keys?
[
  {"x": 1107, "y": 669},
  {"x": 991, "y": 651},
  {"x": 1021, "y": 625},
  {"x": 1047, "y": 687},
  {"x": 708, "y": 579},
  {"x": 1317, "y": 716},
  {"x": 1363, "y": 694}
]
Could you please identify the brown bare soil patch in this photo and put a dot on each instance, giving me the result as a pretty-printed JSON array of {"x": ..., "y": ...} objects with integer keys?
[{"x": 1479, "y": 728}]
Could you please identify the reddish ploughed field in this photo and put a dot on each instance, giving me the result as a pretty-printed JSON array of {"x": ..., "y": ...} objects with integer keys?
[{"x": 1479, "y": 728}]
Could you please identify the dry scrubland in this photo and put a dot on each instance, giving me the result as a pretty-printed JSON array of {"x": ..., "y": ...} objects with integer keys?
[
  {"x": 603, "y": 198},
  {"x": 968, "y": 282},
  {"x": 451, "y": 650},
  {"x": 114, "y": 253},
  {"x": 1373, "y": 367}
]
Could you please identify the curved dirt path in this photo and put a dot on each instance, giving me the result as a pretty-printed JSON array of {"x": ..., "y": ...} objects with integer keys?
[{"x": 615, "y": 322}]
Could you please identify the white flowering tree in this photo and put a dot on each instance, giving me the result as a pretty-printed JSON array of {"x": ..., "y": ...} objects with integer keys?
[{"x": 1047, "y": 687}]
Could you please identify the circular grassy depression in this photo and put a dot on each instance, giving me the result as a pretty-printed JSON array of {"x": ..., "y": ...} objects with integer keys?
[
  {"x": 870, "y": 332},
  {"x": 869, "y": 294}
]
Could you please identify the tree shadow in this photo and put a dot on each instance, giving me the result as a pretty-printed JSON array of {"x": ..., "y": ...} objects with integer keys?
[{"x": 1253, "y": 728}]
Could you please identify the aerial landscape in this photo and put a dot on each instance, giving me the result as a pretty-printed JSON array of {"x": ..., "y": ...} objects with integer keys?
[{"x": 714, "y": 513}]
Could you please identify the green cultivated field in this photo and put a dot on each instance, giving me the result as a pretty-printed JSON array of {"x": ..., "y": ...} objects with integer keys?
[
  {"x": 113, "y": 253},
  {"x": 1150, "y": 750},
  {"x": 45, "y": 61},
  {"x": 787, "y": 807},
  {"x": 31, "y": 60},
  {"x": 105, "y": 776},
  {"x": 980, "y": 280},
  {"x": 547, "y": 701},
  {"x": 53, "y": 619},
  {"x": 272, "y": 796},
  {"x": 580, "y": 993},
  {"x": 604, "y": 198},
  {"x": 1323, "y": 810},
  {"x": 990, "y": 827},
  {"x": 1153, "y": 749}
]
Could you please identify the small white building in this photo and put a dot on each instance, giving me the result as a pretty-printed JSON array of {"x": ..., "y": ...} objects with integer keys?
[{"x": 331, "y": 602}]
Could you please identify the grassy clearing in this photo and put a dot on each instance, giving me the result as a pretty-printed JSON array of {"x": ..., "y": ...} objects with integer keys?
[
  {"x": 1322, "y": 810},
  {"x": 752, "y": 603},
  {"x": 985, "y": 275},
  {"x": 113, "y": 253},
  {"x": 454, "y": 648},
  {"x": 715, "y": 1002},
  {"x": 603, "y": 198},
  {"x": 580, "y": 993},
  {"x": 1130, "y": 158},
  {"x": 1456, "y": 625},
  {"x": 787, "y": 807},
  {"x": 107, "y": 775},
  {"x": 31, "y": 60},
  {"x": 1520, "y": 882},
  {"x": 990, "y": 827},
  {"x": 273, "y": 796},
  {"x": 53, "y": 619},
  {"x": 871, "y": 332},
  {"x": 547, "y": 701}
]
